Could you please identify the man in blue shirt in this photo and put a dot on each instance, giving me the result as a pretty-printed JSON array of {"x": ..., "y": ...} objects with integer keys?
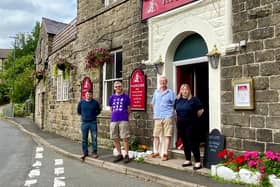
[
  {"x": 163, "y": 108},
  {"x": 89, "y": 109}
]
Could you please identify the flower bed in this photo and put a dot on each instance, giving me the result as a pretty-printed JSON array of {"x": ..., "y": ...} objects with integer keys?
[{"x": 251, "y": 167}]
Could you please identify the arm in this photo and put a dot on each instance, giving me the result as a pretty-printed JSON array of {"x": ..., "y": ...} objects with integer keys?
[
  {"x": 98, "y": 110},
  {"x": 200, "y": 112},
  {"x": 79, "y": 108}
]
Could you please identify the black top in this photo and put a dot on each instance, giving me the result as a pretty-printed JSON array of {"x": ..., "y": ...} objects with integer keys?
[
  {"x": 187, "y": 109},
  {"x": 88, "y": 110}
]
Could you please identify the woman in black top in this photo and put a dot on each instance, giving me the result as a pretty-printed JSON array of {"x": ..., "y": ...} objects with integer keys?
[{"x": 188, "y": 110}]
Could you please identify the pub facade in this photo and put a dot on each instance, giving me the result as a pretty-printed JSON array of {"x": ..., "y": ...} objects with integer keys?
[{"x": 202, "y": 43}]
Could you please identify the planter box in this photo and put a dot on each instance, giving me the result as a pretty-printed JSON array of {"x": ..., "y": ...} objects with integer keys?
[
  {"x": 244, "y": 175},
  {"x": 249, "y": 177}
]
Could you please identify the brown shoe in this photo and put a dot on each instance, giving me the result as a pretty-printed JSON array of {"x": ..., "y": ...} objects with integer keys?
[
  {"x": 126, "y": 159},
  {"x": 118, "y": 158},
  {"x": 164, "y": 157},
  {"x": 155, "y": 155},
  {"x": 94, "y": 155},
  {"x": 83, "y": 157}
]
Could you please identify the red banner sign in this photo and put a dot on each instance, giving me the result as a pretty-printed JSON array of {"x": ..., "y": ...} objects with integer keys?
[
  {"x": 137, "y": 90},
  {"x": 86, "y": 85},
  {"x": 152, "y": 8}
]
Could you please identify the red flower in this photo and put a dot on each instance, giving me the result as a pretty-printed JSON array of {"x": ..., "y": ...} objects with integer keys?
[
  {"x": 96, "y": 57},
  {"x": 240, "y": 159}
]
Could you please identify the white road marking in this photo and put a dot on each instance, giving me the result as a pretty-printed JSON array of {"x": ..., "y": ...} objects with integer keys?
[
  {"x": 33, "y": 173},
  {"x": 58, "y": 182},
  {"x": 58, "y": 171},
  {"x": 30, "y": 182},
  {"x": 39, "y": 155},
  {"x": 37, "y": 164},
  {"x": 58, "y": 162},
  {"x": 39, "y": 149}
]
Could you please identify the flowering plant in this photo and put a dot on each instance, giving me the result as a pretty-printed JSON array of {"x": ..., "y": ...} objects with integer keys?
[
  {"x": 63, "y": 65},
  {"x": 267, "y": 163},
  {"x": 96, "y": 57}
]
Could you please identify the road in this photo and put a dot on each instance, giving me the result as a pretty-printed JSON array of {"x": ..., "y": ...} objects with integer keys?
[{"x": 25, "y": 163}]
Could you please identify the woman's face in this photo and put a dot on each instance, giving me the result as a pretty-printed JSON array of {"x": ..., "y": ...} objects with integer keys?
[{"x": 184, "y": 91}]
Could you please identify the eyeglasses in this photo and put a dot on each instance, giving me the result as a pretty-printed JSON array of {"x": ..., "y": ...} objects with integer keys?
[{"x": 118, "y": 86}]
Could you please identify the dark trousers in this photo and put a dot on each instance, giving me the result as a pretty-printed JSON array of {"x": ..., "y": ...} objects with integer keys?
[
  {"x": 190, "y": 137},
  {"x": 87, "y": 127}
]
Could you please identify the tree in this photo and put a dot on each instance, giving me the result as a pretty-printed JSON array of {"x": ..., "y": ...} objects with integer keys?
[{"x": 17, "y": 75}]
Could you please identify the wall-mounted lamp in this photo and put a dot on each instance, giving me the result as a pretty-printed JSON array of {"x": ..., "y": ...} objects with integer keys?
[
  {"x": 159, "y": 65},
  {"x": 214, "y": 57}
]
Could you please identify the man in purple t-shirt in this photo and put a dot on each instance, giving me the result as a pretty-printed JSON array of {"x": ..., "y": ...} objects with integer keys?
[{"x": 120, "y": 108}]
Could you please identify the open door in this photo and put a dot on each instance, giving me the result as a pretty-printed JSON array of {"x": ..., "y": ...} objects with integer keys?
[{"x": 196, "y": 75}]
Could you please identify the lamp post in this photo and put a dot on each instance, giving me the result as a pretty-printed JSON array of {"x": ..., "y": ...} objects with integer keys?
[{"x": 13, "y": 80}]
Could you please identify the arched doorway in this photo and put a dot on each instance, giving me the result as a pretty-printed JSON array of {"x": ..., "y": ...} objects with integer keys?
[{"x": 191, "y": 67}]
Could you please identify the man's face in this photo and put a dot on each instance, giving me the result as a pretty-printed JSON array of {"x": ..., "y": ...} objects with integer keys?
[
  {"x": 88, "y": 96},
  {"x": 163, "y": 83},
  {"x": 118, "y": 88}
]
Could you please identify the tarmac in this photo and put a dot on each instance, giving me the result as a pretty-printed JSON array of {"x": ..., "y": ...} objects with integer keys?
[{"x": 167, "y": 173}]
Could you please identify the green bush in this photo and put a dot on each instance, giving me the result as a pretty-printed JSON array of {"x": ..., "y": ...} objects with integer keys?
[{"x": 20, "y": 109}]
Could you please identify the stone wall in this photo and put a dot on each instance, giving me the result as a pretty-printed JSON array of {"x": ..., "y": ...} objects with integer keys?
[
  {"x": 256, "y": 22},
  {"x": 118, "y": 26}
]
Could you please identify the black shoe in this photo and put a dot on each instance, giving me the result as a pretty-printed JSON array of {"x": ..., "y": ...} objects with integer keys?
[
  {"x": 186, "y": 165},
  {"x": 126, "y": 159},
  {"x": 83, "y": 157},
  {"x": 197, "y": 168},
  {"x": 118, "y": 158}
]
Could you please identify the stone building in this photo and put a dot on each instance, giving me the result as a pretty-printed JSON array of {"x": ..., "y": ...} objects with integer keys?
[
  {"x": 256, "y": 27},
  {"x": 142, "y": 34},
  {"x": 115, "y": 26}
]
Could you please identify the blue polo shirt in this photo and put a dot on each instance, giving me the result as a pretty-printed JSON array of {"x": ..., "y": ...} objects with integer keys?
[{"x": 163, "y": 104}]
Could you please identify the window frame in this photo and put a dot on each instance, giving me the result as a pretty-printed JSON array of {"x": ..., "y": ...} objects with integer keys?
[
  {"x": 106, "y": 96},
  {"x": 62, "y": 87}
]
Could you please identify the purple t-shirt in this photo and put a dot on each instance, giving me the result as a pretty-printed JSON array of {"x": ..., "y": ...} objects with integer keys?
[{"x": 119, "y": 104}]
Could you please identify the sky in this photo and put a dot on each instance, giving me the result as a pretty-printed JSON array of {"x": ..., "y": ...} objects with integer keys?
[{"x": 20, "y": 16}]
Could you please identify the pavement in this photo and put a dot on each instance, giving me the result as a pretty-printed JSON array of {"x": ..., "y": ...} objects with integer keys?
[{"x": 167, "y": 173}]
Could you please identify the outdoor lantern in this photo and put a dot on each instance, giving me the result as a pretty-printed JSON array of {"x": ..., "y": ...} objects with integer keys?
[
  {"x": 214, "y": 57},
  {"x": 159, "y": 65}
]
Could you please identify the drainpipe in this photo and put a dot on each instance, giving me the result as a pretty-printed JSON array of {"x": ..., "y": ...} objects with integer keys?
[{"x": 228, "y": 13}]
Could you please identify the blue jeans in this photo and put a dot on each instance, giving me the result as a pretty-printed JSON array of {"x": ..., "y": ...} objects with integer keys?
[{"x": 85, "y": 128}]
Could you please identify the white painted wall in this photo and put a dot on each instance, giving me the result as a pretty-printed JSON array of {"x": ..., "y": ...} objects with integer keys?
[{"x": 209, "y": 18}]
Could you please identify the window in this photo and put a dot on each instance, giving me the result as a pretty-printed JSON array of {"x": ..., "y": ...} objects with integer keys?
[
  {"x": 62, "y": 89},
  {"x": 112, "y": 72},
  {"x": 108, "y": 2}
]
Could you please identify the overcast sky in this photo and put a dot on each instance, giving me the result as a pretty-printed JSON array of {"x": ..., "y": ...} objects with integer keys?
[{"x": 20, "y": 16}]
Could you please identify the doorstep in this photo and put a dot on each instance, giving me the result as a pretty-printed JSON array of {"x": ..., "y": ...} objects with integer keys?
[{"x": 175, "y": 163}]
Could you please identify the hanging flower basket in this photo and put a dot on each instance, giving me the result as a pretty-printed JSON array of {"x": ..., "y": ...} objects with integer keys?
[
  {"x": 97, "y": 57},
  {"x": 39, "y": 74},
  {"x": 63, "y": 65}
]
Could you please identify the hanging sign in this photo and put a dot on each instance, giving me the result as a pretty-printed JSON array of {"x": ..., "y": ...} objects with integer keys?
[
  {"x": 152, "y": 8},
  {"x": 137, "y": 90},
  {"x": 86, "y": 85}
]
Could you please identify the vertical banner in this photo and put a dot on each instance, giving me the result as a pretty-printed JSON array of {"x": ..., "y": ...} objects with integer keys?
[
  {"x": 137, "y": 90},
  {"x": 86, "y": 85}
]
